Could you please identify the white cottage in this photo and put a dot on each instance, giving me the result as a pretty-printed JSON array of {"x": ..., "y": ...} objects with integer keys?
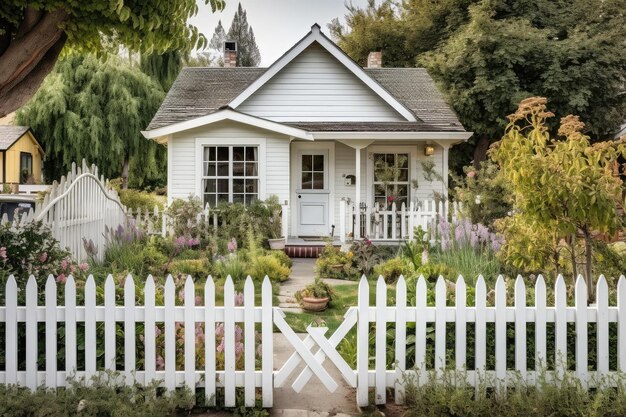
[{"x": 309, "y": 129}]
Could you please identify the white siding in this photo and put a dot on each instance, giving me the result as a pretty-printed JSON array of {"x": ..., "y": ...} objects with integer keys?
[
  {"x": 185, "y": 171},
  {"x": 183, "y": 158},
  {"x": 317, "y": 87}
]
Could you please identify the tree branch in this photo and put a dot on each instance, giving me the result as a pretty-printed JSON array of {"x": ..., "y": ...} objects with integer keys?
[
  {"x": 16, "y": 97},
  {"x": 31, "y": 18},
  {"x": 25, "y": 53}
]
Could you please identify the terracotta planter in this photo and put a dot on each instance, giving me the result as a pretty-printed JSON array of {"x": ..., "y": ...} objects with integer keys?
[
  {"x": 315, "y": 304},
  {"x": 277, "y": 244}
]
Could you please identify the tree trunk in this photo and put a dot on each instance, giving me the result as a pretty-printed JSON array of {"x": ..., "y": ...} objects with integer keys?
[
  {"x": 29, "y": 56},
  {"x": 125, "y": 173},
  {"x": 588, "y": 266},
  {"x": 572, "y": 249},
  {"x": 480, "y": 151}
]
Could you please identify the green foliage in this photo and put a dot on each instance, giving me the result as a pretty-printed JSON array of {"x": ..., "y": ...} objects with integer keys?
[
  {"x": 261, "y": 218},
  {"x": 282, "y": 257},
  {"x": 104, "y": 26},
  {"x": 365, "y": 256},
  {"x": 29, "y": 249},
  {"x": 317, "y": 289},
  {"x": 487, "y": 55},
  {"x": 333, "y": 263},
  {"x": 162, "y": 68},
  {"x": 433, "y": 270},
  {"x": 181, "y": 215},
  {"x": 393, "y": 268},
  {"x": 197, "y": 268},
  {"x": 485, "y": 195},
  {"x": 140, "y": 200},
  {"x": 563, "y": 183},
  {"x": 94, "y": 109},
  {"x": 270, "y": 266},
  {"x": 566, "y": 397},
  {"x": 106, "y": 395}
]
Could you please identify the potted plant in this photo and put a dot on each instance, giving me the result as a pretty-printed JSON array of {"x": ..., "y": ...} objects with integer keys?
[
  {"x": 315, "y": 296},
  {"x": 275, "y": 240}
]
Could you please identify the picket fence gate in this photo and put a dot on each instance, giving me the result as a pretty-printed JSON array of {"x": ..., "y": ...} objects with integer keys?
[
  {"x": 393, "y": 223},
  {"x": 310, "y": 353},
  {"x": 78, "y": 207}
]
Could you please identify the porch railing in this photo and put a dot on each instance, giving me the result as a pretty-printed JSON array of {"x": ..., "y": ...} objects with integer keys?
[{"x": 391, "y": 223}]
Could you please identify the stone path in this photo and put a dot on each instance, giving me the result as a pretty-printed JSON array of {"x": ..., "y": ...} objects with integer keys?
[
  {"x": 314, "y": 400},
  {"x": 302, "y": 274}
]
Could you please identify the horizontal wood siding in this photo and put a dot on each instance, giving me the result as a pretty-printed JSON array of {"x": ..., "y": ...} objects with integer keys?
[
  {"x": 317, "y": 87},
  {"x": 184, "y": 168},
  {"x": 182, "y": 183}
]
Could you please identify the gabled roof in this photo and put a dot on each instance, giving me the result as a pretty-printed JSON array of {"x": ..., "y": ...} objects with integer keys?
[
  {"x": 315, "y": 35},
  {"x": 11, "y": 134},
  {"x": 199, "y": 92}
]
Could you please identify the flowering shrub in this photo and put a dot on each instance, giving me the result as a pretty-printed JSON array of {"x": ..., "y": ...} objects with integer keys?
[
  {"x": 333, "y": 263},
  {"x": 31, "y": 249}
]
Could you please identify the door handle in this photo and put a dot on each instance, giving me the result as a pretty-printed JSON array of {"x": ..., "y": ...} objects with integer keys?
[{"x": 299, "y": 196}]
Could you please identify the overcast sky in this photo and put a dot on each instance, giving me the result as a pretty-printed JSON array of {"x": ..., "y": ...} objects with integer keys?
[{"x": 277, "y": 24}]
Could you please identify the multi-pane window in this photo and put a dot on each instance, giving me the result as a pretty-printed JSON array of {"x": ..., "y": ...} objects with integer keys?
[
  {"x": 26, "y": 167},
  {"x": 230, "y": 173},
  {"x": 312, "y": 172},
  {"x": 391, "y": 179}
]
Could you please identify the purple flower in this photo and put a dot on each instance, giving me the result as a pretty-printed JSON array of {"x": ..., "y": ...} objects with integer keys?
[
  {"x": 220, "y": 347},
  {"x": 238, "y": 350},
  {"x": 219, "y": 329},
  {"x": 238, "y": 333},
  {"x": 61, "y": 278},
  {"x": 181, "y": 241},
  {"x": 160, "y": 363},
  {"x": 232, "y": 245},
  {"x": 239, "y": 299}
]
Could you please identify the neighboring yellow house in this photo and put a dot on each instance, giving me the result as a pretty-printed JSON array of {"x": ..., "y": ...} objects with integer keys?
[{"x": 20, "y": 156}]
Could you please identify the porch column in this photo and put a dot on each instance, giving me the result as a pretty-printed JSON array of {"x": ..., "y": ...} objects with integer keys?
[
  {"x": 357, "y": 195},
  {"x": 357, "y": 145},
  {"x": 444, "y": 169}
]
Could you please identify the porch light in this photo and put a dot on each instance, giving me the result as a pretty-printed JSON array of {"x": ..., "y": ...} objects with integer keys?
[{"x": 429, "y": 150}]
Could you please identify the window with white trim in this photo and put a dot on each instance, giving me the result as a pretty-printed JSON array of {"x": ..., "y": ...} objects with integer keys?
[
  {"x": 230, "y": 173},
  {"x": 391, "y": 179}
]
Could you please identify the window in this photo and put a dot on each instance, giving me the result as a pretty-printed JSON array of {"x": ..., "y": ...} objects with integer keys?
[
  {"x": 391, "y": 179},
  {"x": 312, "y": 172},
  {"x": 230, "y": 173},
  {"x": 26, "y": 167}
]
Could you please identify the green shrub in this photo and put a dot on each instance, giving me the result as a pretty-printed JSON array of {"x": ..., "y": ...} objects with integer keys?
[
  {"x": 233, "y": 265},
  {"x": 182, "y": 215},
  {"x": 393, "y": 268},
  {"x": 333, "y": 263},
  {"x": 29, "y": 249},
  {"x": 268, "y": 265},
  {"x": 282, "y": 258},
  {"x": 106, "y": 395},
  {"x": 432, "y": 271},
  {"x": 567, "y": 397},
  {"x": 197, "y": 268},
  {"x": 136, "y": 199}
]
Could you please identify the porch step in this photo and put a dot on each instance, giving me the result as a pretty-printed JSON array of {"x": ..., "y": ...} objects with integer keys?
[{"x": 303, "y": 251}]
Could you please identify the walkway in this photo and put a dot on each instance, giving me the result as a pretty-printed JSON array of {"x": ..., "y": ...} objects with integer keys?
[{"x": 314, "y": 400}]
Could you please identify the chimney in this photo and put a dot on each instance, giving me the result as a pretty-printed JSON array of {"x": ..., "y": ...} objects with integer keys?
[
  {"x": 375, "y": 60},
  {"x": 230, "y": 54}
]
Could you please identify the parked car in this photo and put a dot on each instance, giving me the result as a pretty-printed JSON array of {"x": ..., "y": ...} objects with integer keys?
[{"x": 12, "y": 204}]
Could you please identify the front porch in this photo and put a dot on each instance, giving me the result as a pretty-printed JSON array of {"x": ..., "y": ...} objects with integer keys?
[{"x": 355, "y": 189}]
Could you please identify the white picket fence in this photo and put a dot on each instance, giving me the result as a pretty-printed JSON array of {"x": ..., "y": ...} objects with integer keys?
[
  {"x": 79, "y": 206},
  {"x": 310, "y": 354},
  {"x": 392, "y": 223},
  {"x": 156, "y": 221}
]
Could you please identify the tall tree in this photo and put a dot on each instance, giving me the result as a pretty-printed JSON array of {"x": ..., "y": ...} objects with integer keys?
[
  {"x": 219, "y": 36},
  {"x": 95, "y": 109},
  {"x": 248, "y": 54},
  {"x": 487, "y": 55},
  {"x": 163, "y": 68},
  {"x": 33, "y": 33}
]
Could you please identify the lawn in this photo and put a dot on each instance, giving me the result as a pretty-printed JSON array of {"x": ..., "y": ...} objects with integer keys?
[{"x": 346, "y": 296}]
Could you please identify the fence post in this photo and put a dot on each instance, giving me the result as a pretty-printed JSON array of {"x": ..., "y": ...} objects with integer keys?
[
  {"x": 621, "y": 324},
  {"x": 480, "y": 347},
  {"x": 51, "y": 332},
  {"x": 229, "y": 343},
  {"x": 209, "y": 343},
  {"x": 249, "y": 363},
  {"x": 560, "y": 326},
  {"x": 362, "y": 354},
  {"x": 581, "y": 329},
  {"x": 381, "y": 341},
  {"x": 129, "y": 329},
  {"x": 500, "y": 334},
  {"x": 190, "y": 334},
  {"x": 267, "y": 328},
  {"x": 520, "y": 326},
  {"x": 540, "y": 323},
  {"x": 31, "y": 333},
  {"x": 11, "y": 330},
  {"x": 602, "y": 320},
  {"x": 400, "y": 339}
]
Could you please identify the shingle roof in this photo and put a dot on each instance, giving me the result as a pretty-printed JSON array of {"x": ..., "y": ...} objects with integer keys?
[
  {"x": 201, "y": 91},
  {"x": 9, "y": 134}
]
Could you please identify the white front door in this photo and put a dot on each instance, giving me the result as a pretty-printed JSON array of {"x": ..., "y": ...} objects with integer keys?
[{"x": 312, "y": 193}]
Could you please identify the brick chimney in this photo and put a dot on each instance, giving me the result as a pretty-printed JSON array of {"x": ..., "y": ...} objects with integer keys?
[
  {"x": 230, "y": 54},
  {"x": 375, "y": 60}
]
